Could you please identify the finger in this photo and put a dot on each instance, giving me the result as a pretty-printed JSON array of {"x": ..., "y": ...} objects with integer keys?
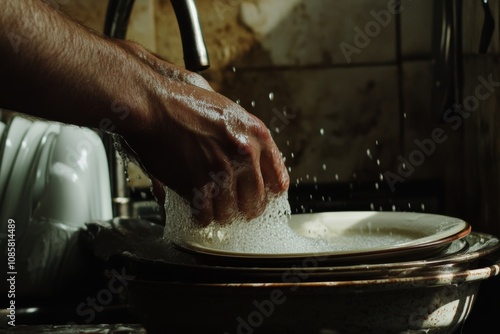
[
  {"x": 226, "y": 204},
  {"x": 273, "y": 169},
  {"x": 251, "y": 192},
  {"x": 201, "y": 204}
]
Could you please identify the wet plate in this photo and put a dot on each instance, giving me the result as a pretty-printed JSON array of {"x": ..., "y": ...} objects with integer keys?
[
  {"x": 353, "y": 237},
  {"x": 137, "y": 245}
]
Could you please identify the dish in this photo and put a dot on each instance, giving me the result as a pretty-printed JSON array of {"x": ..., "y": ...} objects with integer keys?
[
  {"x": 82, "y": 150},
  {"x": 366, "y": 236},
  {"x": 14, "y": 133},
  {"x": 137, "y": 245},
  {"x": 2, "y": 127},
  {"x": 426, "y": 303},
  {"x": 15, "y": 185},
  {"x": 39, "y": 173}
]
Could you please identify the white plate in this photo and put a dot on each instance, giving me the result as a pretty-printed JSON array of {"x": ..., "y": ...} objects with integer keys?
[
  {"x": 15, "y": 195},
  {"x": 2, "y": 127},
  {"x": 359, "y": 235},
  {"x": 39, "y": 174},
  {"x": 14, "y": 134}
]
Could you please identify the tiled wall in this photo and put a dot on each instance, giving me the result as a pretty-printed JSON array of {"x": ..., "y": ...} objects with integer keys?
[{"x": 341, "y": 118}]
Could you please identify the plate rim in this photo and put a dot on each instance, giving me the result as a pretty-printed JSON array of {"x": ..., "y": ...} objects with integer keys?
[{"x": 406, "y": 247}]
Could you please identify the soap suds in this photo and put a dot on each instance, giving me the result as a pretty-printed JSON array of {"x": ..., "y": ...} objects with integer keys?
[{"x": 270, "y": 233}]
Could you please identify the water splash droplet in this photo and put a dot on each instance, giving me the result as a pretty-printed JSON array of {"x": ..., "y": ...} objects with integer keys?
[
  {"x": 322, "y": 131},
  {"x": 271, "y": 96},
  {"x": 324, "y": 166}
]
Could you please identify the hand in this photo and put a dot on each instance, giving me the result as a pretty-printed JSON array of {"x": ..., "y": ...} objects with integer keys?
[{"x": 209, "y": 150}]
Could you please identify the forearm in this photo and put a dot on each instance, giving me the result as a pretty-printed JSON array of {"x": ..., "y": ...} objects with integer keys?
[{"x": 54, "y": 68}]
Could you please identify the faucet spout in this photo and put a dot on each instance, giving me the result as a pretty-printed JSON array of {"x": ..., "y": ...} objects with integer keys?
[{"x": 193, "y": 45}]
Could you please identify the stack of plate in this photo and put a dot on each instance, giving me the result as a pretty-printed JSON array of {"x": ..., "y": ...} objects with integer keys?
[
  {"x": 427, "y": 282},
  {"x": 52, "y": 171},
  {"x": 53, "y": 178},
  {"x": 431, "y": 243}
]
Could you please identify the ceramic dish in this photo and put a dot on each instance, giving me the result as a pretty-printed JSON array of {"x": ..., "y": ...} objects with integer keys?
[
  {"x": 82, "y": 150},
  {"x": 428, "y": 303},
  {"x": 357, "y": 235},
  {"x": 138, "y": 246},
  {"x": 15, "y": 185},
  {"x": 12, "y": 139},
  {"x": 39, "y": 172},
  {"x": 2, "y": 127}
]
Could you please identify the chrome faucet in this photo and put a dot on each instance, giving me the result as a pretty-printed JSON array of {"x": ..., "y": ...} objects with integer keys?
[{"x": 195, "y": 59}]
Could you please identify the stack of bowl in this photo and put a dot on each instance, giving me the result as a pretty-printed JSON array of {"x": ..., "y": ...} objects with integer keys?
[{"x": 424, "y": 281}]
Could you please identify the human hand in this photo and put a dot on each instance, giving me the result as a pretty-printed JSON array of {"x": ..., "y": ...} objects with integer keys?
[{"x": 208, "y": 149}]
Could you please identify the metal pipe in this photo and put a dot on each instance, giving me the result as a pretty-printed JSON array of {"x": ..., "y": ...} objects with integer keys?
[{"x": 193, "y": 45}]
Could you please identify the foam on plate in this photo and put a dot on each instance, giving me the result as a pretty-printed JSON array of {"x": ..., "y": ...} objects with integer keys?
[
  {"x": 270, "y": 233},
  {"x": 267, "y": 234}
]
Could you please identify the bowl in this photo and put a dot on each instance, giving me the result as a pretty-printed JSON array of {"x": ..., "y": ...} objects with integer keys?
[
  {"x": 172, "y": 291},
  {"x": 434, "y": 303}
]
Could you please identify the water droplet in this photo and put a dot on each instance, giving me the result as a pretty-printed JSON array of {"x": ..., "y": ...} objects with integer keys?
[
  {"x": 378, "y": 162},
  {"x": 234, "y": 69},
  {"x": 322, "y": 131},
  {"x": 422, "y": 206},
  {"x": 307, "y": 176},
  {"x": 238, "y": 101},
  {"x": 409, "y": 205},
  {"x": 372, "y": 206},
  {"x": 354, "y": 176},
  {"x": 253, "y": 103},
  {"x": 315, "y": 179},
  {"x": 369, "y": 153},
  {"x": 287, "y": 143},
  {"x": 337, "y": 177},
  {"x": 393, "y": 208},
  {"x": 271, "y": 96},
  {"x": 376, "y": 142},
  {"x": 324, "y": 166},
  {"x": 292, "y": 155},
  {"x": 277, "y": 130},
  {"x": 376, "y": 185},
  {"x": 381, "y": 177},
  {"x": 289, "y": 169},
  {"x": 404, "y": 115}
]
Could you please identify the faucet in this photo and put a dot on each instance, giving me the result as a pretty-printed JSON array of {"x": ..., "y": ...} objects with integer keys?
[{"x": 195, "y": 59}]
